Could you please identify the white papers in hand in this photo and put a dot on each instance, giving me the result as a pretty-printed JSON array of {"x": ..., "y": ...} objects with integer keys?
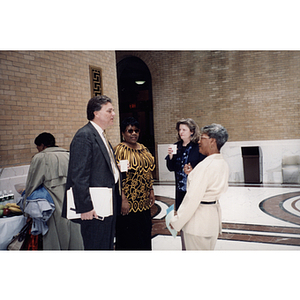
[
  {"x": 170, "y": 214},
  {"x": 102, "y": 202}
]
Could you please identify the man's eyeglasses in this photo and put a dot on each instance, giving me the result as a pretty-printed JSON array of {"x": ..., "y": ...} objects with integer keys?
[{"x": 131, "y": 131}]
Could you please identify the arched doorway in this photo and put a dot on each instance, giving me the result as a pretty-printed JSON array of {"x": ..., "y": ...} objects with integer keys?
[{"x": 135, "y": 97}]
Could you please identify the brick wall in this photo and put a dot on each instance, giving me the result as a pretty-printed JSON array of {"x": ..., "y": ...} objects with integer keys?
[
  {"x": 48, "y": 91},
  {"x": 254, "y": 94}
]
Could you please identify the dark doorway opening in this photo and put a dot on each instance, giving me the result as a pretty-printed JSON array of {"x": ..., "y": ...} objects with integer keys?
[{"x": 135, "y": 97}]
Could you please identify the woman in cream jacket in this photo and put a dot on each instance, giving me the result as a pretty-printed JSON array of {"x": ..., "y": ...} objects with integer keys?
[{"x": 199, "y": 215}]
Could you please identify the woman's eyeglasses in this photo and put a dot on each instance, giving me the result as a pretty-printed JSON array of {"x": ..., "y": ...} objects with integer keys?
[
  {"x": 131, "y": 131},
  {"x": 204, "y": 137}
]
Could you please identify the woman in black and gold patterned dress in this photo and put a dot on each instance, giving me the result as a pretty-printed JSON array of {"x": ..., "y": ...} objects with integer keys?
[{"x": 133, "y": 229}]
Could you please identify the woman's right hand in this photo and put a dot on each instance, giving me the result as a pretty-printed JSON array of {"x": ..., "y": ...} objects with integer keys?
[
  {"x": 170, "y": 152},
  {"x": 187, "y": 168},
  {"x": 125, "y": 206}
]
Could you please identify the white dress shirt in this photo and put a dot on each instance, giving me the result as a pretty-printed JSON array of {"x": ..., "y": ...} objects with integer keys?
[{"x": 113, "y": 164}]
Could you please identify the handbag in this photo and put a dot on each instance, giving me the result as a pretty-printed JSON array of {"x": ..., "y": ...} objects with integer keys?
[{"x": 18, "y": 240}]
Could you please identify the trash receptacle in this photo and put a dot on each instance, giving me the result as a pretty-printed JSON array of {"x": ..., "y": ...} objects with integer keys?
[{"x": 252, "y": 163}]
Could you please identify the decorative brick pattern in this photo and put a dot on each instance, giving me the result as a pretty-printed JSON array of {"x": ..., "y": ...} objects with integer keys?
[{"x": 96, "y": 81}]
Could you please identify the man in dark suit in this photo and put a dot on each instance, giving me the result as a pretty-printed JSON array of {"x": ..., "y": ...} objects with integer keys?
[{"x": 92, "y": 164}]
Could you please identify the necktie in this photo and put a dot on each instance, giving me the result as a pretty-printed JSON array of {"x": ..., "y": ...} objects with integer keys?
[{"x": 111, "y": 155}]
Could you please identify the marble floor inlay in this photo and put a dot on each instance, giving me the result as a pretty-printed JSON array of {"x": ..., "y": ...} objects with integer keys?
[
  {"x": 274, "y": 206},
  {"x": 265, "y": 216}
]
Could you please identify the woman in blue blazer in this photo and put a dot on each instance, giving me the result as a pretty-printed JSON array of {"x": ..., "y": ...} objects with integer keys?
[{"x": 187, "y": 156}]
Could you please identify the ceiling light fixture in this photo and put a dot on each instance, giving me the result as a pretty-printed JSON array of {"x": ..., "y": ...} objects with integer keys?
[{"x": 140, "y": 82}]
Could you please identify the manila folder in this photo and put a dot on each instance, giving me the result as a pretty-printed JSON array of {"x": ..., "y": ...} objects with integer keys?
[{"x": 102, "y": 202}]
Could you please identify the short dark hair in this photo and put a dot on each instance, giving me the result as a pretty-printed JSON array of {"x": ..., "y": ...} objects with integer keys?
[
  {"x": 45, "y": 138},
  {"x": 95, "y": 104},
  {"x": 129, "y": 121}
]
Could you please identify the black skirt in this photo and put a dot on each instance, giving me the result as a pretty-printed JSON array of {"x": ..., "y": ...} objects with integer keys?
[{"x": 133, "y": 231}]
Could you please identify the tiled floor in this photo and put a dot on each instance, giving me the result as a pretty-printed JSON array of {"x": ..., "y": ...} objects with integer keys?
[{"x": 254, "y": 217}]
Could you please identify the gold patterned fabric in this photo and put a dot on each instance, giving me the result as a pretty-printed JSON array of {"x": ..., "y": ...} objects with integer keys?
[{"x": 138, "y": 180}]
